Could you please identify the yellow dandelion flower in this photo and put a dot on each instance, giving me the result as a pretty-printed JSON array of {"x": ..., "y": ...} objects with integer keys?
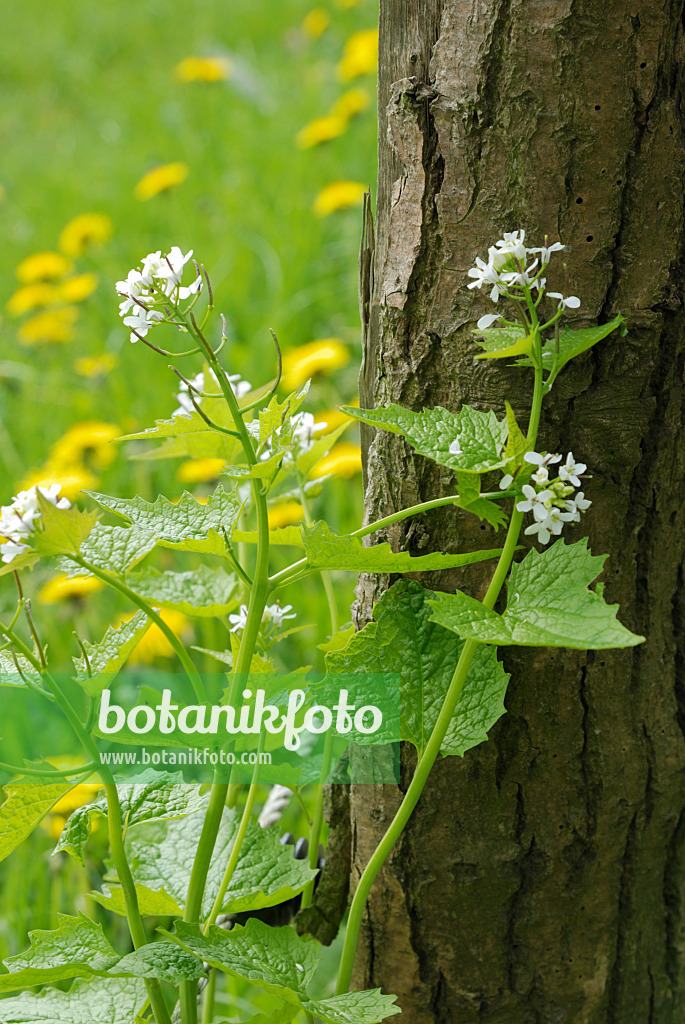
[
  {"x": 62, "y": 588},
  {"x": 203, "y": 69},
  {"x": 86, "y": 443},
  {"x": 344, "y": 459},
  {"x": 53, "y": 825},
  {"x": 333, "y": 418},
  {"x": 199, "y": 471},
  {"x": 32, "y": 296},
  {"x": 325, "y": 354},
  {"x": 321, "y": 129},
  {"x": 346, "y": 3},
  {"x": 154, "y": 644},
  {"x": 159, "y": 179},
  {"x": 95, "y": 366},
  {"x": 337, "y": 196},
  {"x": 84, "y": 231},
  {"x": 78, "y": 288},
  {"x": 360, "y": 55},
  {"x": 76, "y": 797},
  {"x": 316, "y": 22},
  {"x": 55, "y": 325},
  {"x": 73, "y": 479},
  {"x": 285, "y": 513},
  {"x": 351, "y": 103},
  {"x": 43, "y": 266}
]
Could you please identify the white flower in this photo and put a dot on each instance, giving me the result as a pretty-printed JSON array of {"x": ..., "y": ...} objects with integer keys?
[
  {"x": 152, "y": 267},
  {"x": 541, "y": 476},
  {"x": 512, "y": 245},
  {"x": 541, "y": 460},
  {"x": 523, "y": 278},
  {"x": 537, "y": 502},
  {"x": 17, "y": 521},
  {"x": 141, "y": 321},
  {"x": 547, "y": 250},
  {"x": 170, "y": 268},
  {"x": 571, "y": 471},
  {"x": 541, "y": 528},
  {"x": 238, "y": 621},
  {"x": 487, "y": 321},
  {"x": 239, "y": 387},
  {"x": 134, "y": 287},
  {"x": 553, "y": 524},
  {"x": 506, "y": 481},
  {"x": 485, "y": 273},
  {"x": 577, "y": 504},
  {"x": 278, "y": 615},
  {"x": 304, "y": 430},
  {"x": 455, "y": 447},
  {"x": 572, "y": 302}
]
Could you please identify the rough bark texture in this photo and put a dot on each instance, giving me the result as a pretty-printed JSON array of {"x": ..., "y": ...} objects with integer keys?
[{"x": 542, "y": 877}]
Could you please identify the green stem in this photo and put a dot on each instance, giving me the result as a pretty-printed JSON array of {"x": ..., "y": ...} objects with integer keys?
[
  {"x": 208, "y": 999},
  {"x": 437, "y": 736},
  {"x": 135, "y": 921},
  {"x": 141, "y": 603}
]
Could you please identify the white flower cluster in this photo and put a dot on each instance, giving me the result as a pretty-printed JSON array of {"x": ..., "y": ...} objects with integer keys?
[
  {"x": 552, "y": 502},
  {"x": 18, "y": 520},
  {"x": 185, "y": 406},
  {"x": 158, "y": 282},
  {"x": 272, "y": 613},
  {"x": 509, "y": 273}
]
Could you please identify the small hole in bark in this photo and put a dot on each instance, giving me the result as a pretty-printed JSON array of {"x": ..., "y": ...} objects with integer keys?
[
  {"x": 620, "y": 181},
  {"x": 589, "y": 238},
  {"x": 579, "y": 200},
  {"x": 643, "y": 64},
  {"x": 414, "y": 57},
  {"x": 597, "y": 106},
  {"x": 604, "y": 171}
]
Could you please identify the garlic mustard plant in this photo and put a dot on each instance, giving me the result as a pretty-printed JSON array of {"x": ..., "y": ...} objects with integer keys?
[{"x": 198, "y": 856}]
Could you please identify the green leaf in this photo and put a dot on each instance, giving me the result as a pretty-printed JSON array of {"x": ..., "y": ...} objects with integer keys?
[
  {"x": 151, "y": 903},
  {"x": 573, "y": 343},
  {"x": 306, "y": 461},
  {"x": 202, "y": 592},
  {"x": 470, "y": 500},
  {"x": 502, "y": 342},
  {"x": 326, "y": 550},
  {"x": 25, "y": 806},
  {"x": 403, "y": 640},
  {"x": 76, "y": 947},
  {"x": 163, "y": 960},
  {"x": 161, "y": 856},
  {"x": 114, "y": 549},
  {"x": 517, "y": 444},
  {"x": 63, "y": 530},
  {"x": 548, "y": 605},
  {"x": 179, "y": 525},
  {"x": 367, "y": 1007},
  {"x": 10, "y": 674},
  {"x": 277, "y": 414},
  {"x": 108, "y": 656},
  {"x": 469, "y": 487},
  {"x": 481, "y": 436},
  {"x": 91, "y": 1001},
  {"x": 281, "y": 963},
  {"x": 27, "y": 560},
  {"x": 156, "y": 796},
  {"x": 262, "y": 470},
  {"x": 289, "y": 535}
]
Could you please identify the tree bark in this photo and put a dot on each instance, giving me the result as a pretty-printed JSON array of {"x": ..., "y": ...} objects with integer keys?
[{"x": 542, "y": 877}]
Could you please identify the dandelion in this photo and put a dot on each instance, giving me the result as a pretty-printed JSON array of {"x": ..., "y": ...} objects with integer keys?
[
  {"x": 18, "y": 520},
  {"x": 78, "y": 288},
  {"x": 43, "y": 266},
  {"x": 95, "y": 366},
  {"x": 49, "y": 327},
  {"x": 84, "y": 231},
  {"x": 285, "y": 513},
  {"x": 199, "y": 471},
  {"x": 351, "y": 103},
  {"x": 338, "y": 195},
  {"x": 360, "y": 55},
  {"x": 203, "y": 69},
  {"x": 160, "y": 179},
  {"x": 320, "y": 356},
  {"x": 65, "y": 588},
  {"x": 321, "y": 129},
  {"x": 88, "y": 443},
  {"x": 316, "y": 22},
  {"x": 331, "y": 419},
  {"x": 344, "y": 460},
  {"x": 32, "y": 296},
  {"x": 154, "y": 645}
]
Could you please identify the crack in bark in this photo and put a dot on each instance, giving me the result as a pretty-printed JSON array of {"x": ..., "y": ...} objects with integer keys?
[{"x": 624, "y": 909}]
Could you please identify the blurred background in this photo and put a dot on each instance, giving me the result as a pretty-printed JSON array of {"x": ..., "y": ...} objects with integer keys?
[{"x": 243, "y": 131}]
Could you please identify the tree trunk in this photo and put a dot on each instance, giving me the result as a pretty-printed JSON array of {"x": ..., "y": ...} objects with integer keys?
[{"x": 542, "y": 877}]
